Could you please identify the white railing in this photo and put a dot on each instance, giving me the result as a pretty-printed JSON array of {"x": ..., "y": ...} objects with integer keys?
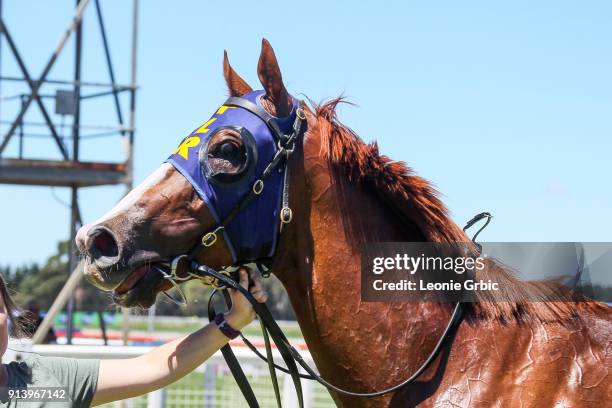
[{"x": 210, "y": 385}]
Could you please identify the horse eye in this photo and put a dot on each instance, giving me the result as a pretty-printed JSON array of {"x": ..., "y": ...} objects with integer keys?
[
  {"x": 229, "y": 150},
  {"x": 226, "y": 157}
]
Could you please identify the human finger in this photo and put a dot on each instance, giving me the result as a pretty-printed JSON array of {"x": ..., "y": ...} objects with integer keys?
[
  {"x": 256, "y": 280},
  {"x": 244, "y": 278},
  {"x": 260, "y": 295}
]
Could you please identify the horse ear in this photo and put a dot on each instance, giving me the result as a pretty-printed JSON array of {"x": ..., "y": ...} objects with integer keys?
[
  {"x": 236, "y": 85},
  {"x": 270, "y": 76}
]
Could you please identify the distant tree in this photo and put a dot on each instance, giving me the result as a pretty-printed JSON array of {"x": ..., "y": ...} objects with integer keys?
[
  {"x": 602, "y": 293},
  {"x": 44, "y": 283},
  {"x": 278, "y": 300}
]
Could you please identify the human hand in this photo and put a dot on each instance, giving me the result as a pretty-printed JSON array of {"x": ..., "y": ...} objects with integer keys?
[{"x": 242, "y": 313}]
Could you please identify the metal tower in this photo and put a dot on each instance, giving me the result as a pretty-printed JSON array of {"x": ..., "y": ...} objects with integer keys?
[{"x": 70, "y": 91}]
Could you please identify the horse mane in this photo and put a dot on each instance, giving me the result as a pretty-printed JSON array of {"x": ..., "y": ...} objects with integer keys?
[
  {"x": 410, "y": 196},
  {"x": 415, "y": 200}
]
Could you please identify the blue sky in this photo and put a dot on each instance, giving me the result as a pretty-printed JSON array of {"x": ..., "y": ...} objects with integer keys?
[{"x": 505, "y": 106}]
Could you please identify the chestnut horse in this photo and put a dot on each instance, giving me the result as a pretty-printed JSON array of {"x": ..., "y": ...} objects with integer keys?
[{"x": 343, "y": 195}]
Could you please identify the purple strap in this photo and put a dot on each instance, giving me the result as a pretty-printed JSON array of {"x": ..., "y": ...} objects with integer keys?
[{"x": 225, "y": 328}]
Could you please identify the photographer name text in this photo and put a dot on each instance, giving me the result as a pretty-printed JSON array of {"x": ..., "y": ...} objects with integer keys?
[{"x": 421, "y": 285}]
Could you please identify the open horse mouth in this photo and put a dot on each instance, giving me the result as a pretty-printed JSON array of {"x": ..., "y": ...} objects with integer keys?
[
  {"x": 140, "y": 287},
  {"x": 131, "y": 280}
]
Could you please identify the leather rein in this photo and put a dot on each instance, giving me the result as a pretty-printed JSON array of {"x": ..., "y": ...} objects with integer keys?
[{"x": 227, "y": 278}]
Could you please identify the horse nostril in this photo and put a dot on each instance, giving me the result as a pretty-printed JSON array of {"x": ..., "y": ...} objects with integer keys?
[{"x": 103, "y": 246}]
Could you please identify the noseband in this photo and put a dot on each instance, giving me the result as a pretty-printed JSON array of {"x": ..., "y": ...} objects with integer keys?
[{"x": 279, "y": 135}]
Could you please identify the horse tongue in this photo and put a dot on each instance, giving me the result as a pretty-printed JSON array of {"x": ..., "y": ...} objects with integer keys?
[{"x": 129, "y": 282}]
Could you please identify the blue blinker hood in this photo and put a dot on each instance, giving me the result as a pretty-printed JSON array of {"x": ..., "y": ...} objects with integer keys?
[{"x": 253, "y": 233}]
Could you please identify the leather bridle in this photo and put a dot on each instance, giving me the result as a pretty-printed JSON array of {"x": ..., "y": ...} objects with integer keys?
[{"x": 227, "y": 278}]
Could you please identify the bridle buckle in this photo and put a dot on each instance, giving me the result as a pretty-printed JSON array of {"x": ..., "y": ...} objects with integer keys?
[
  {"x": 286, "y": 215},
  {"x": 258, "y": 187},
  {"x": 209, "y": 239},
  {"x": 300, "y": 113}
]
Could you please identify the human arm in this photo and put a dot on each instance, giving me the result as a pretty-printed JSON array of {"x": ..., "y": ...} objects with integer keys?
[{"x": 126, "y": 378}]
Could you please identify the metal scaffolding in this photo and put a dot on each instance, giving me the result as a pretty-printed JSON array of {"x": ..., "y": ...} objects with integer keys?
[{"x": 69, "y": 171}]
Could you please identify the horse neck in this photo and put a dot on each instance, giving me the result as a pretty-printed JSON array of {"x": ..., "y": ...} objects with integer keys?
[{"x": 321, "y": 272}]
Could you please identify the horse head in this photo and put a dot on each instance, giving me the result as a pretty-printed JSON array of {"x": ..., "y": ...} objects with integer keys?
[{"x": 196, "y": 202}]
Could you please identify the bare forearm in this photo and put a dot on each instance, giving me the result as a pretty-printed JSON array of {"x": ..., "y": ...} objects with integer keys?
[
  {"x": 121, "y": 379},
  {"x": 174, "y": 360},
  {"x": 158, "y": 368}
]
